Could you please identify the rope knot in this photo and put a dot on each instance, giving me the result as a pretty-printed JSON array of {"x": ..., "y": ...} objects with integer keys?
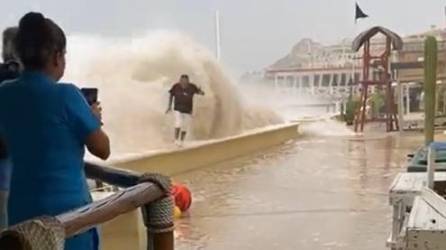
[{"x": 158, "y": 215}]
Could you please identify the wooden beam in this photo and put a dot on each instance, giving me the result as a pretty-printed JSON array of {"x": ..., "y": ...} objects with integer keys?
[
  {"x": 113, "y": 176},
  {"x": 96, "y": 213},
  {"x": 87, "y": 217}
]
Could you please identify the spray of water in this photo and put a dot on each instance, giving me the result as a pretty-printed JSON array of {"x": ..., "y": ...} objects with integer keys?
[
  {"x": 327, "y": 127},
  {"x": 133, "y": 77}
]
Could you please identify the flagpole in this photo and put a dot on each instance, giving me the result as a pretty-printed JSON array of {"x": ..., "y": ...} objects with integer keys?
[
  {"x": 445, "y": 13},
  {"x": 217, "y": 35}
]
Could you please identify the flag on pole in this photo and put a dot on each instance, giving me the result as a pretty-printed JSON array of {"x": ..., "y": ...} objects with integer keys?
[{"x": 359, "y": 13}]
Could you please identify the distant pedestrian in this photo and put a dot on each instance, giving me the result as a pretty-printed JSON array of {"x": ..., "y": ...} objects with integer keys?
[{"x": 182, "y": 94}]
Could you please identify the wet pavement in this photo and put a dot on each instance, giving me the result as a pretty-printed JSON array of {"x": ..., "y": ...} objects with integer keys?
[{"x": 320, "y": 192}]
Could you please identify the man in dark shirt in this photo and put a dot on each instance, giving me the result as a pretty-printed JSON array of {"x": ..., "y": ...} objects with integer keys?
[
  {"x": 10, "y": 67},
  {"x": 9, "y": 70},
  {"x": 182, "y": 95}
]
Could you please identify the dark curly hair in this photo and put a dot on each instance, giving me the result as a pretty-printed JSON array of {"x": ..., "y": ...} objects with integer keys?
[{"x": 37, "y": 39}]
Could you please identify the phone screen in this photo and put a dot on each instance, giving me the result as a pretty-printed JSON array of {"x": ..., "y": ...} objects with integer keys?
[{"x": 90, "y": 94}]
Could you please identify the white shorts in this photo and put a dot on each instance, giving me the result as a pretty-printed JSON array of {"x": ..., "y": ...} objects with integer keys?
[{"x": 182, "y": 120}]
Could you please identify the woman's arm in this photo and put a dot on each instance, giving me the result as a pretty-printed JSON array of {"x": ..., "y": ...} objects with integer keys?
[
  {"x": 86, "y": 122},
  {"x": 98, "y": 142}
]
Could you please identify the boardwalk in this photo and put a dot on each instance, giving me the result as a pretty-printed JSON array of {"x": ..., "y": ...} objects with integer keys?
[{"x": 319, "y": 193}]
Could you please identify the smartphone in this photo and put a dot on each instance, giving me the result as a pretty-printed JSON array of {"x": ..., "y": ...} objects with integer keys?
[{"x": 90, "y": 94}]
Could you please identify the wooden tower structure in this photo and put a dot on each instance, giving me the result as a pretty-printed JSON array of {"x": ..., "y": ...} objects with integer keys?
[{"x": 377, "y": 63}]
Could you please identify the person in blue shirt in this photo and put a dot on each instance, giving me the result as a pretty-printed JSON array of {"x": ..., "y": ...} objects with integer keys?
[
  {"x": 46, "y": 126},
  {"x": 9, "y": 69}
]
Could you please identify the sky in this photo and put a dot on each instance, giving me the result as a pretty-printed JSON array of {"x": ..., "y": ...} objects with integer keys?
[{"x": 255, "y": 33}]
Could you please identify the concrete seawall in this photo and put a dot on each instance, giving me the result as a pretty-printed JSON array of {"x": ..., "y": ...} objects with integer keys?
[{"x": 192, "y": 157}]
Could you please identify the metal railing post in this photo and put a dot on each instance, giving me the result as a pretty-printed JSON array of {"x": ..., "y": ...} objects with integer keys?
[{"x": 431, "y": 156}]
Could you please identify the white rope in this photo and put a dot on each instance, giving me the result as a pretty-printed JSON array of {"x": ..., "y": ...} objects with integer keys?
[{"x": 158, "y": 215}]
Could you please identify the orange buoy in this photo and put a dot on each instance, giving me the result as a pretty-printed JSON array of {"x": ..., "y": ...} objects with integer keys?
[{"x": 182, "y": 196}]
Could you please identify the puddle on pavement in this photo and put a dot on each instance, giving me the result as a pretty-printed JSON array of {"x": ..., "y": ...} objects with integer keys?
[{"x": 320, "y": 192}]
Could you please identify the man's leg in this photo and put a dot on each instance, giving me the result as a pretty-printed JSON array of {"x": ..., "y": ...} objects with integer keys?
[
  {"x": 183, "y": 128},
  {"x": 178, "y": 125},
  {"x": 177, "y": 133},
  {"x": 186, "y": 124},
  {"x": 183, "y": 135}
]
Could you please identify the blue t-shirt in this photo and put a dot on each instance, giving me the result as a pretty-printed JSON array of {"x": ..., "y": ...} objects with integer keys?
[{"x": 45, "y": 126}]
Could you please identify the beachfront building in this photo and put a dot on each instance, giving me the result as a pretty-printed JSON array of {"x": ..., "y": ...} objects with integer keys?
[
  {"x": 314, "y": 69},
  {"x": 409, "y": 71},
  {"x": 332, "y": 72}
]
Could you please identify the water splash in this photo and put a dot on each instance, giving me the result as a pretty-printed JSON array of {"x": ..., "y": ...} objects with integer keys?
[
  {"x": 134, "y": 76},
  {"x": 327, "y": 126}
]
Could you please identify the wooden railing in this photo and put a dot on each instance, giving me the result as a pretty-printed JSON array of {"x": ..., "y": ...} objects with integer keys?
[{"x": 136, "y": 194}]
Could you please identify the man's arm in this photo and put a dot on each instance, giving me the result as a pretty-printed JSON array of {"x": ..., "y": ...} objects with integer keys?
[
  {"x": 169, "y": 106},
  {"x": 171, "y": 95},
  {"x": 199, "y": 91}
]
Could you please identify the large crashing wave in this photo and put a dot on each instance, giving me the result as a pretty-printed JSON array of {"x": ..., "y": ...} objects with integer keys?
[{"x": 134, "y": 76}]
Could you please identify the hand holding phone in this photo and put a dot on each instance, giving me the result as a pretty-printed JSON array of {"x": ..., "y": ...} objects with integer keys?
[
  {"x": 97, "y": 110},
  {"x": 91, "y": 95}
]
